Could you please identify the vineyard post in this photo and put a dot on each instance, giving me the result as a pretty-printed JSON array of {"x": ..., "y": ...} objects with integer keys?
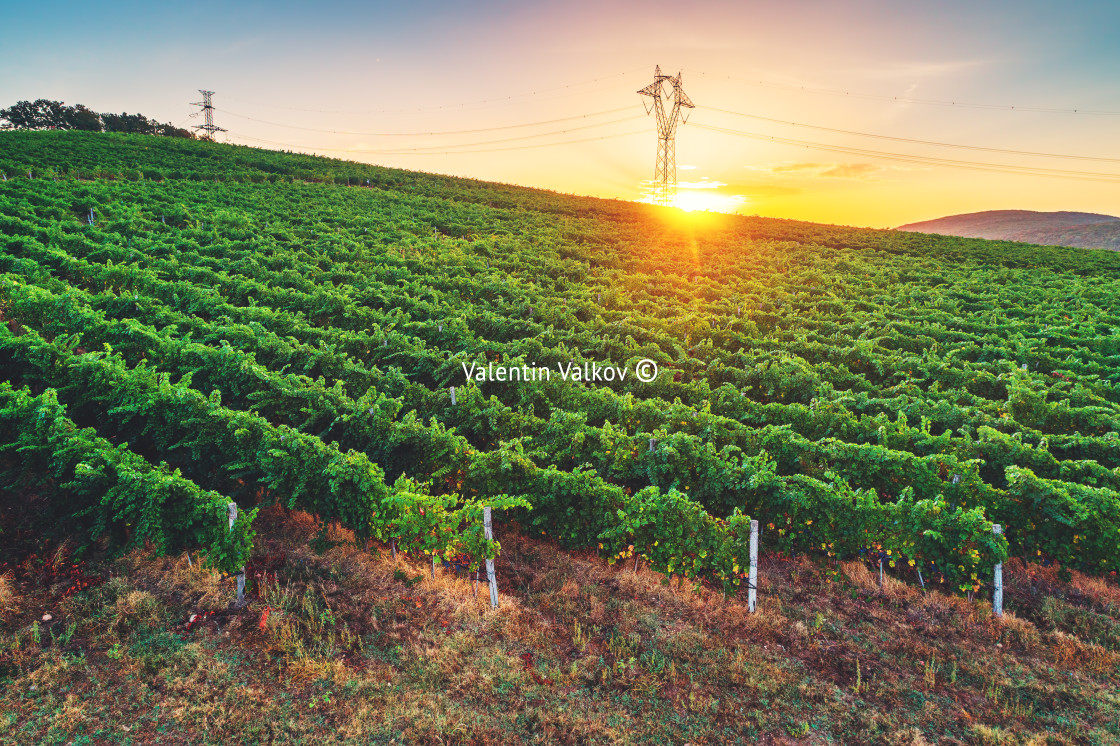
[
  {"x": 241, "y": 572},
  {"x": 997, "y": 590},
  {"x": 453, "y": 396},
  {"x": 752, "y": 578},
  {"x": 488, "y": 528}
]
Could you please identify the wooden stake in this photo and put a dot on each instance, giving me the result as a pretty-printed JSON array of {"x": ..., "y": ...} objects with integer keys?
[
  {"x": 997, "y": 579},
  {"x": 488, "y": 528},
  {"x": 752, "y": 577},
  {"x": 453, "y": 396},
  {"x": 241, "y": 572},
  {"x": 433, "y": 566}
]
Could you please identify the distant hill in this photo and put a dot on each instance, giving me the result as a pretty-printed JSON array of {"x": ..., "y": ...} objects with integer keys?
[{"x": 1084, "y": 230}]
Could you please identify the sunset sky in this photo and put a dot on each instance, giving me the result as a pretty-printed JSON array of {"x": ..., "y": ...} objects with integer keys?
[{"x": 571, "y": 70}]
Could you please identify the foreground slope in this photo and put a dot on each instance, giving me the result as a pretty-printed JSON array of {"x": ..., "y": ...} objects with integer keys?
[
  {"x": 1079, "y": 229},
  {"x": 338, "y": 645}
]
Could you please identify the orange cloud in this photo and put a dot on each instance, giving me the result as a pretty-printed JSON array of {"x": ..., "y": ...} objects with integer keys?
[{"x": 829, "y": 170}]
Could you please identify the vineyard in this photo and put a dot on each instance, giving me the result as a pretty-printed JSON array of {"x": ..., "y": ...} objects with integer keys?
[
  {"x": 190, "y": 324},
  {"x": 187, "y": 325}
]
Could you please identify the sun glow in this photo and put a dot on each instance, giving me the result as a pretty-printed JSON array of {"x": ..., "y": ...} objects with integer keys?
[
  {"x": 691, "y": 200},
  {"x": 698, "y": 196}
]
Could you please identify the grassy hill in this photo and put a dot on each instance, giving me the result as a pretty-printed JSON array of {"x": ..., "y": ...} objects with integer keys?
[
  {"x": 189, "y": 324},
  {"x": 1079, "y": 229}
]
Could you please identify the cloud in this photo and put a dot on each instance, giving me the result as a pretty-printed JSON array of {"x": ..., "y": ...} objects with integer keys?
[
  {"x": 850, "y": 170},
  {"x": 704, "y": 183},
  {"x": 797, "y": 167},
  {"x": 741, "y": 190},
  {"x": 762, "y": 190},
  {"x": 826, "y": 170},
  {"x": 920, "y": 70}
]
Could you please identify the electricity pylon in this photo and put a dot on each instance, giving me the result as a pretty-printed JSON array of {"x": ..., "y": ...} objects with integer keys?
[
  {"x": 665, "y": 172},
  {"x": 209, "y": 128}
]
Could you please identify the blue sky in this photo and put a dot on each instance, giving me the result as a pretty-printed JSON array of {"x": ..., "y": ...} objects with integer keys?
[{"x": 401, "y": 62}]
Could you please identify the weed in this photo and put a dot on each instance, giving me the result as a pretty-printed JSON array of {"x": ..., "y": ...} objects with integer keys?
[
  {"x": 993, "y": 691},
  {"x": 579, "y": 637},
  {"x": 64, "y": 638},
  {"x": 798, "y": 730},
  {"x": 929, "y": 671},
  {"x": 403, "y": 577}
]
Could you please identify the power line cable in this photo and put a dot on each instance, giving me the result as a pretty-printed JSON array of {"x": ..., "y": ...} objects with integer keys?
[
  {"x": 908, "y": 100},
  {"x": 427, "y": 134},
  {"x": 482, "y": 143},
  {"x": 444, "y": 152},
  {"x": 923, "y": 160},
  {"x": 465, "y": 104},
  {"x": 911, "y": 140}
]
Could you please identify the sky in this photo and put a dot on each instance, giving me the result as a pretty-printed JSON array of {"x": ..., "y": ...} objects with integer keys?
[{"x": 544, "y": 94}]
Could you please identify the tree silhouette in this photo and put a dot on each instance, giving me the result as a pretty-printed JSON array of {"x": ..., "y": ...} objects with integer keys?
[{"x": 43, "y": 114}]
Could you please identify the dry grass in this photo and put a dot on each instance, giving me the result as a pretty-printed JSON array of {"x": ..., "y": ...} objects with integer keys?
[
  {"x": 863, "y": 577},
  {"x": 9, "y": 599},
  {"x": 346, "y": 645}
]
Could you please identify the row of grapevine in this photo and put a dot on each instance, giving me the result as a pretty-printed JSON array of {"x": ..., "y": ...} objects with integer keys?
[
  {"x": 112, "y": 490},
  {"x": 846, "y": 388}
]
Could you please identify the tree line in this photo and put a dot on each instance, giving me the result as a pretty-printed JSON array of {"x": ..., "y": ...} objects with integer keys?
[{"x": 44, "y": 114}]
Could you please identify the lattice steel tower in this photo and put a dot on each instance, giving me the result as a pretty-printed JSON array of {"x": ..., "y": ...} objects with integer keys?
[
  {"x": 209, "y": 128},
  {"x": 665, "y": 172}
]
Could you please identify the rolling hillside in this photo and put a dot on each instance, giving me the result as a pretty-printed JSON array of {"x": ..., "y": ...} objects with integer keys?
[
  {"x": 1079, "y": 229},
  {"x": 188, "y": 324}
]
